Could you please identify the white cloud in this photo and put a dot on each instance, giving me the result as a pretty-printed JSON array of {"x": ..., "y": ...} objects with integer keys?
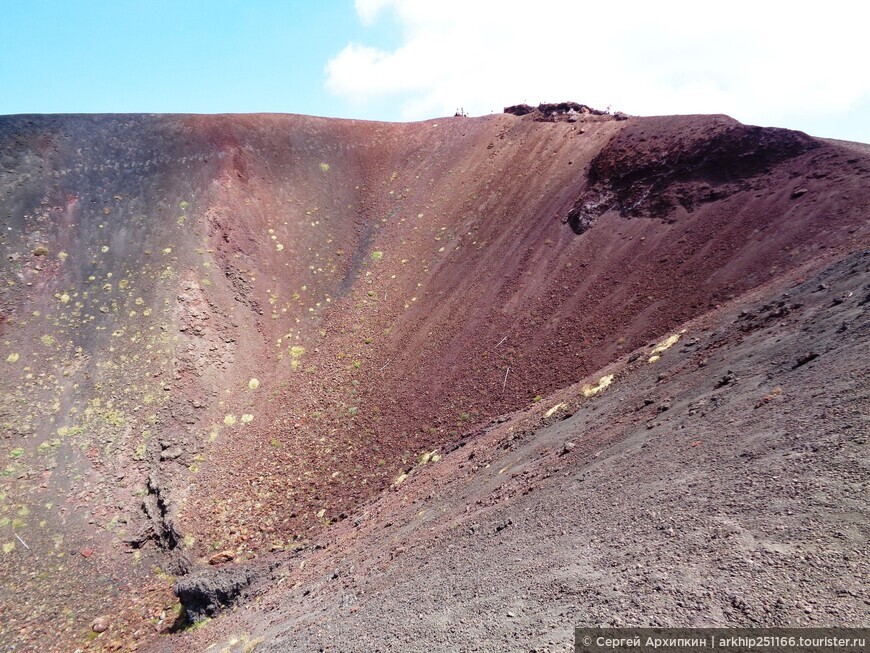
[{"x": 763, "y": 62}]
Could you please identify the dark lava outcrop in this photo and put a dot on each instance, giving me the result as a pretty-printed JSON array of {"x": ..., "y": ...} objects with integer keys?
[
  {"x": 645, "y": 172},
  {"x": 206, "y": 592}
]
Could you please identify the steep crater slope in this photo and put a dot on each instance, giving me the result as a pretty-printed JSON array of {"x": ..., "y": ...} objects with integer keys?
[
  {"x": 226, "y": 333},
  {"x": 716, "y": 481}
]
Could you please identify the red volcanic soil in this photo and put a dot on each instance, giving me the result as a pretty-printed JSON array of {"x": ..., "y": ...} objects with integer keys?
[
  {"x": 233, "y": 333},
  {"x": 720, "y": 485}
]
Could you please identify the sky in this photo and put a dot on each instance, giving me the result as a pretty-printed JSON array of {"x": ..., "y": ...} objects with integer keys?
[{"x": 790, "y": 64}]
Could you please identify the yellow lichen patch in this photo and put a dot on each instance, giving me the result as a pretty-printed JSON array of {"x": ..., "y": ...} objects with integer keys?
[
  {"x": 279, "y": 247},
  {"x": 324, "y": 167},
  {"x": 62, "y": 256},
  {"x": 167, "y": 250},
  {"x": 104, "y": 249},
  {"x": 251, "y": 645},
  {"x": 296, "y": 352},
  {"x": 400, "y": 478},
  {"x": 253, "y": 384},
  {"x": 230, "y": 419},
  {"x": 247, "y": 418},
  {"x": 9, "y": 547},
  {"x": 664, "y": 345},
  {"x": 64, "y": 298},
  {"x": 603, "y": 382},
  {"x": 429, "y": 457},
  {"x": 555, "y": 409},
  {"x": 12, "y": 358}
]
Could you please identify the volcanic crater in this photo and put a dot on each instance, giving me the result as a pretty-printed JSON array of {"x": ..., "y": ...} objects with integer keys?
[{"x": 332, "y": 378}]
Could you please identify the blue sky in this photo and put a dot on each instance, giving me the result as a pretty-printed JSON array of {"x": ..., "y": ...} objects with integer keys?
[
  {"x": 762, "y": 63},
  {"x": 199, "y": 56}
]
